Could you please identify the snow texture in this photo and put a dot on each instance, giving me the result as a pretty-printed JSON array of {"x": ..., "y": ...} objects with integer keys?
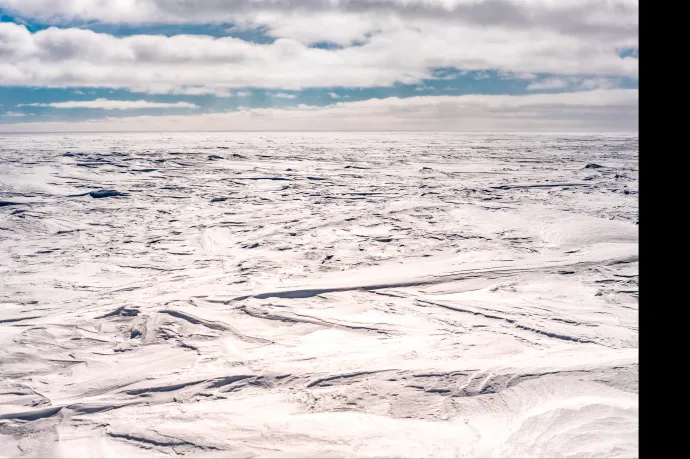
[{"x": 323, "y": 295}]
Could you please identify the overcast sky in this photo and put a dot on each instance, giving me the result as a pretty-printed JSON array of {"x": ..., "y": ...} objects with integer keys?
[{"x": 438, "y": 65}]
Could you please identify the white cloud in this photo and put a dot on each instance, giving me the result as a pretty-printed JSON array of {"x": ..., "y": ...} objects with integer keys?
[
  {"x": 199, "y": 90},
  {"x": 404, "y": 49},
  {"x": 243, "y": 93},
  {"x": 597, "y": 83},
  {"x": 516, "y": 76},
  {"x": 577, "y": 83},
  {"x": 598, "y": 110},
  {"x": 334, "y": 95},
  {"x": 342, "y": 21},
  {"x": 548, "y": 83},
  {"x": 13, "y": 114},
  {"x": 106, "y": 104},
  {"x": 481, "y": 76},
  {"x": 283, "y": 95}
]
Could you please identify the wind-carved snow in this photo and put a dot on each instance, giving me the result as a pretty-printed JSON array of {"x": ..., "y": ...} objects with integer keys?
[{"x": 326, "y": 295}]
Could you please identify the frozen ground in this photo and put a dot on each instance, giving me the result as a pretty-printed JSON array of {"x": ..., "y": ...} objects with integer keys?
[{"x": 330, "y": 295}]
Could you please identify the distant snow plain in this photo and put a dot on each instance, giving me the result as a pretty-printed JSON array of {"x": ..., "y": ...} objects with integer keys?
[{"x": 319, "y": 295}]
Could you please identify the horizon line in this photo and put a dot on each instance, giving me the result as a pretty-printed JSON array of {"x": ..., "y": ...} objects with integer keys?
[{"x": 317, "y": 130}]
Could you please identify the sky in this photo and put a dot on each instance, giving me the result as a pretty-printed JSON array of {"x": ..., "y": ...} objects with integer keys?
[{"x": 236, "y": 65}]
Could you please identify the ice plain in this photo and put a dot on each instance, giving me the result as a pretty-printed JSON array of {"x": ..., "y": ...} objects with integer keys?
[{"x": 319, "y": 295}]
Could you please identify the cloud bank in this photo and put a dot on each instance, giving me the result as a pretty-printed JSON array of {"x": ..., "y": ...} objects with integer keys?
[
  {"x": 569, "y": 56},
  {"x": 384, "y": 42},
  {"x": 105, "y": 104},
  {"x": 608, "y": 18},
  {"x": 590, "y": 111}
]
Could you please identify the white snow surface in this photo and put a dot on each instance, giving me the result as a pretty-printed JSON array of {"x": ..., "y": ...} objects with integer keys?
[{"x": 319, "y": 295}]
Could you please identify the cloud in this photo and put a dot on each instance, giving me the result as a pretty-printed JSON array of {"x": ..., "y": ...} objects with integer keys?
[
  {"x": 406, "y": 51},
  {"x": 516, "y": 76},
  {"x": 549, "y": 83},
  {"x": 342, "y": 21},
  {"x": 13, "y": 114},
  {"x": 198, "y": 90},
  {"x": 575, "y": 83},
  {"x": 282, "y": 95},
  {"x": 597, "y": 83},
  {"x": 596, "y": 110},
  {"x": 481, "y": 76},
  {"x": 106, "y": 104},
  {"x": 334, "y": 95}
]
